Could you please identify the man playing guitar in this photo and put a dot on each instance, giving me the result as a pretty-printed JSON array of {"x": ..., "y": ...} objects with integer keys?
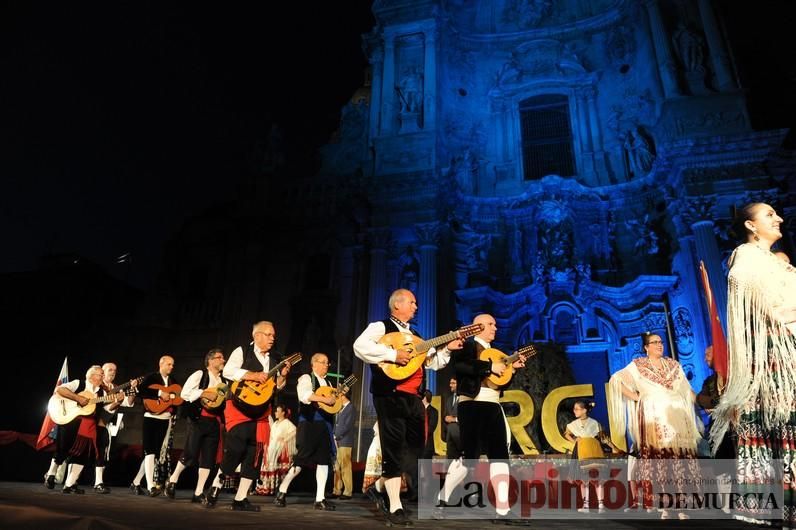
[{"x": 247, "y": 437}]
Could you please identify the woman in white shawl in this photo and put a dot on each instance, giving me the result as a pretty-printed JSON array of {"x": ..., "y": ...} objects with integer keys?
[
  {"x": 654, "y": 395},
  {"x": 758, "y": 402},
  {"x": 281, "y": 450}
]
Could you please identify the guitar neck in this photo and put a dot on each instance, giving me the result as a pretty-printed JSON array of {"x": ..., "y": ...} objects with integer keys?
[
  {"x": 522, "y": 352},
  {"x": 437, "y": 341},
  {"x": 107, "y": 398}
]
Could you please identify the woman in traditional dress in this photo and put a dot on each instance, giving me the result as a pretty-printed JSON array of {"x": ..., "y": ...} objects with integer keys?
[
  {"x": 758, "y": 402},
  {"x": 281, "y": 450},
  {"x": 657, "y": 405},
  {"x": 588, "y": 436}
]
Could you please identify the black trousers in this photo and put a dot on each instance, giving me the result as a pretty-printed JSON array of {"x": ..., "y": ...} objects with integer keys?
[
  {"x": 154, "y": 434},
  {"x": 64, "y": 440},
  {"x": 401, "y": 422},
  {"x": 454, "y": 442},
  {"x": 201, "y": 443},
  {"x": 483, "y": 430},
  {"x": 313, "y": 444},
  {"x": 240, "y": 447},
  {"x": 103, "y": 441}
]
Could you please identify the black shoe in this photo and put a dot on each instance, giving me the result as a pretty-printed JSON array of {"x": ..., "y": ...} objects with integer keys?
[
  {"x": 73, "y": 489},
  {"x": 345, "y": 497},
  {"x": 49, "y": 482},
  {"x": 102, "y": 489},
  {"x": 154, "y": 492},
  {"x": 170, "y": 487},
  {"x": 325, "y": 506},
  {"x": 279, "y": 500},
  {"x": 212, "y": 497},
  {"x": 332, "y": 496},
  {"x": 508, "y": 520},
  {"x": 137, "y": 489},
  {"x": 398, "y": 518},
  {"x": 244, "y": 506},
  {"x": 381, "y": 499},
  {"x": 198, "y": 498}
]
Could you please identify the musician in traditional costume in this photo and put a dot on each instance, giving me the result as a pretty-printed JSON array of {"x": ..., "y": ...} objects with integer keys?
[
  {"x": 758, "y": 403},
  {"x": 398, "y": 406},
  {"x": 77, "y": 440},
  {"x": 156, "y": 424},
  {"x": 588, "y": 436},
  {"x": 482, "y": 423},
  {"x": 204, "y": 425},
  {"x": 107, "y": 416},
  {"x": 315, "y": 436},
  {"x": 246, "y": 441}
]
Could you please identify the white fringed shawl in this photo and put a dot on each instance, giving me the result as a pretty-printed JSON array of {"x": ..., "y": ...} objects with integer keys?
[{"x": 762, "y": 349}]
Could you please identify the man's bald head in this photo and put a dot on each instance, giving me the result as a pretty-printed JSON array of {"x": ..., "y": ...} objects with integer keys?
[{"x": 490, "y": 327}]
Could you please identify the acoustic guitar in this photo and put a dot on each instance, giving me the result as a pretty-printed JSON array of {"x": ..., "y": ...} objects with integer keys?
[
  {"x": 222, "y": 391},
  {"x": 252, "y": 397},
  {"x": 341, "y": 389},
  {"x": 156, "y": 406},
  {"x": 496, "y": 356},
  {"x": 63, "y": 410},
  {"x": 417, "y": 348}
]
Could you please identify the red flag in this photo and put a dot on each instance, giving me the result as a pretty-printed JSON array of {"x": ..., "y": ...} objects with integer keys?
[
  {"x": 719, "y": 340},
  {"x": 48, "y": 426}
]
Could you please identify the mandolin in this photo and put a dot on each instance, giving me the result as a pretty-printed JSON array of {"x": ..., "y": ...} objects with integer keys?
[
  {"x": 496, "y": 356},
  {"x": 252, "y": 397},
  {"x": 222, "y": 391},
  {"x": 156, "y": 406},
  {"x": 417, "y": 348},
  {"x": 341, "y": 389}
]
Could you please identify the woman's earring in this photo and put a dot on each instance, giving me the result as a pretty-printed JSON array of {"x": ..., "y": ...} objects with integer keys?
[{"x": 755, "y": 236}]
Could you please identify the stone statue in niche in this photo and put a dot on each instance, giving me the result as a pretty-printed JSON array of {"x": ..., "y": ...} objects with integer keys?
[
  {"x": 464, "y": 169},
  {"x": 683, "y": 330},
  {"x": 646, "y": 238},
  {"x": 528, "y": 13},
  {"x": 690, "y": 47},
  {"x": 471, "y": 249},
  {"x": 640, "y": 153},
  {"x": 620, "y": 45},
  {"x": 555, "y": 235},
  {"x": 408, "y": 269},
  {"x": 411, "y": 90}
]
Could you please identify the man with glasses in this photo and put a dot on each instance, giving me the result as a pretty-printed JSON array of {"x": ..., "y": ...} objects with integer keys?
[
  {"x": 204, "y": 426},
  {"x": 314, "y": 436}
]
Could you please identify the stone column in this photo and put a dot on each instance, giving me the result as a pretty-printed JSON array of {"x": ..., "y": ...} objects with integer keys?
[
  {"x": 377, "y": 64},
  {"x": 718, "y": 53},
  {"x": 346, "y": 282},
  {"x": 708, "y": 251},
  {"x": 379, "y": 239},
  {"x": 388, "y": 86},
  {"x": 430, "y": 79},
  {"x": 666, "y": 65},
  {"x": 428, "y": 242}
]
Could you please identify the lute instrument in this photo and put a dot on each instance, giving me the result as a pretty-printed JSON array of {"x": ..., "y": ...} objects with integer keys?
[
  {"x": 494, "y": 355},
  {"x": 417, "y": 348},
  {"x": 222, "y": 391},
  {"x": 338, "y": 391},
  {"x": 252, "y": 397}
]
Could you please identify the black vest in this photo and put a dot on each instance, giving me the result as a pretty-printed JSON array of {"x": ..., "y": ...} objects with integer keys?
[
  {"x": 380, "y": 384},
  {"x": 193, "y": 409},
  {"x": 308, "y": 412},
  {"x": 470, "y": 370},
  {"x": 252, "y": 364}
]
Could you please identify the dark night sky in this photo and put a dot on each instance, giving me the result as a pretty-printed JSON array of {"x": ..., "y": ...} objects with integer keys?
[{"x": 119, "y": 119}]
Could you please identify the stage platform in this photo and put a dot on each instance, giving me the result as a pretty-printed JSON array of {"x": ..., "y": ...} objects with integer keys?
[{"x": 31, "y": 505}]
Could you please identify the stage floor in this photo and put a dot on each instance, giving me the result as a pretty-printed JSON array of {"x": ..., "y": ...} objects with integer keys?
[{"x": 29, "y": 505}]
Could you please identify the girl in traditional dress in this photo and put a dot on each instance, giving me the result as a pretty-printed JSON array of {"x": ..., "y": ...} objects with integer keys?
[
  {"x": 281, "y": 450},
  {"x": 657, "y": 405},
  {"x": 588, "y": 436},
  {"x": 758, "y": 402}
]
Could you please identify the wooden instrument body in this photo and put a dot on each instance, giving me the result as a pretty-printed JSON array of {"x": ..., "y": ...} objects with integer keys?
[
  {"x": 159, "y": 405},
  {"x": 326, "y": 391},
  {"x": 222, "y": 391},
  {"x": 252, "y": 397},
  {"x": 399, "y": 340},
  {"x": 63, "y": 410},
  {"x": 494, "y": 355}
]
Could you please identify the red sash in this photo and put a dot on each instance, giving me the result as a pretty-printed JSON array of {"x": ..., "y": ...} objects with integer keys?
[
  {"x": 233, "y": 416},
  {"x": 86, "y": 437}
]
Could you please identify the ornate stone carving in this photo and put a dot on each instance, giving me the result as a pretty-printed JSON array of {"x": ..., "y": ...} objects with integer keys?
[
  {"x": 408, "y": 269},
  {"x": 654, "y": 322},
  {"x": 644, "y": 234},
  {"x": 683, "y": 331},
  {"x": 410, "y": 95},
  {"x": 690, "y": 48},
  {"x": 471, "y": 249},
  {"x": 640, "y": 151},
  {"x": 428, "y": 233},
  {"x": 698, "y": 208},
  {"x": 620, "y": 45},
  {"x": 527, "y": 14}
]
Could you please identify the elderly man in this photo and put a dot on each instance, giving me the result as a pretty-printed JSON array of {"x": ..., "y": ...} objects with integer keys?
[{"x": 105, "y": 417}]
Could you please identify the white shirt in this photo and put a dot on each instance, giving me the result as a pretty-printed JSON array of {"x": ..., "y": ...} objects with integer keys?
[
  {"x": 304, "y": 387},
  {"x": 166, "y": 414},
  {"x": 72, "y": 386},
  {"x": 191, "y": 391},
  {"x": 367, "y": 348},
  {"x": 233, "y": 370}
]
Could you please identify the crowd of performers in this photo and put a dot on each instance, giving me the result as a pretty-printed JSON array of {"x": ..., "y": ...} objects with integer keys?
[{"x": 752, "y": 410}]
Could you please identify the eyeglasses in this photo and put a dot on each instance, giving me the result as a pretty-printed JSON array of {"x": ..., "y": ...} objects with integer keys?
[
  {"x": 655, "y": 342},
  {"x": 323, "y": 362},
  {"x": 217, "y": 358}
]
